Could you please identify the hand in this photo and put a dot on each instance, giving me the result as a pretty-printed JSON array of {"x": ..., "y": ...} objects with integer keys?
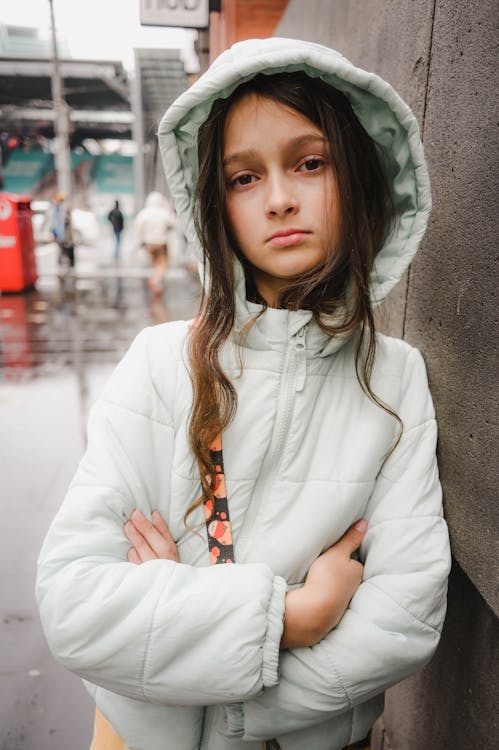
[
  {"x": 332, "y": 580},
  {"x": 150, "y": 541}
]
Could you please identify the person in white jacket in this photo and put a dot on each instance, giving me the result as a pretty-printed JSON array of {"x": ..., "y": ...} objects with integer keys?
[
  {"x": 153, "y": 225},
  {"x": 253, "y": 548}
]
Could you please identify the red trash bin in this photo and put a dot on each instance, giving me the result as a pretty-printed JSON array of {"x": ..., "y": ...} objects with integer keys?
[{"x": 17, "y": 246}]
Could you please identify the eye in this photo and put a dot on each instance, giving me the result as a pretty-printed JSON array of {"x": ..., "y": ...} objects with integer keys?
[
  {"x": 312, "y": 164},
  {"x": 242, "y": 180}
]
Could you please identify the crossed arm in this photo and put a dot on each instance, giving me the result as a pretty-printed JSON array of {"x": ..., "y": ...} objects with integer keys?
[{"x": 310, "y": 612}]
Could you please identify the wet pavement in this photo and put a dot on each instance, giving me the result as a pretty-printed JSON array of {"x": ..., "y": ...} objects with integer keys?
[{"x": 58, "y": 344}]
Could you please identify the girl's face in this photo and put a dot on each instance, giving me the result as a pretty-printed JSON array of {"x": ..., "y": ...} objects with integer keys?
[{"x": 282, "y": 197}]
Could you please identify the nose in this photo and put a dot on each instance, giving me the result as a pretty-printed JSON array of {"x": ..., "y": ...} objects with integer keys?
[{"x": 280, "y": 199}]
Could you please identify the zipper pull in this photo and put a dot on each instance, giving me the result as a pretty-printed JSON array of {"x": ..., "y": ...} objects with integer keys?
[{"x": 301, "y": 360}]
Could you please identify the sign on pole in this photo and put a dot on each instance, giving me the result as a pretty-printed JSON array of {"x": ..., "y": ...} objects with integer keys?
[{"x": 186, "y": 13}]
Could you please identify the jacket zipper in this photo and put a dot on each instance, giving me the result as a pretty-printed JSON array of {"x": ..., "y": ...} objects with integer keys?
[
  {"x": 293, "y": 378},
  {"x": 295, "y": 355}
]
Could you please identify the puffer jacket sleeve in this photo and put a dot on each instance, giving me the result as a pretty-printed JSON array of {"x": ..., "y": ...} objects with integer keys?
[
  {"x": 394, "y": 620},
  {"x": 162, "y": 632}
]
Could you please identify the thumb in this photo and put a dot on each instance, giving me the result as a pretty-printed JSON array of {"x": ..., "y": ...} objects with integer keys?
[{"x": 352, "y": 539}]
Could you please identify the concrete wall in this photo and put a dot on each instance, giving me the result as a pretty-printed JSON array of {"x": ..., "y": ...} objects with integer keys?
[
  {"x": 441, "y": 56},
  {"x": 452, "y": 704}
]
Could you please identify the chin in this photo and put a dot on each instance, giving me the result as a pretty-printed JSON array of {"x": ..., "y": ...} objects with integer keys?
[{"x": 296, "y": 272}]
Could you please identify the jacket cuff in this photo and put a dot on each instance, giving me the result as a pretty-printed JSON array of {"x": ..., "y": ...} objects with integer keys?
[
  {"x": 234, "y": 719},
  {"x": 234, "y": 712},
  {"x": 273, "y": 636}
]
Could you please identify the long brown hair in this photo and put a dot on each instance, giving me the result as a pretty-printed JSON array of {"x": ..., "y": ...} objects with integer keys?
[{"x": 336, "y": 291}]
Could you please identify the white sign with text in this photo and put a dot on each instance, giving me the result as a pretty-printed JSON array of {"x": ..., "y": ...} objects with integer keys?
[{"x": 187, "y": 13}]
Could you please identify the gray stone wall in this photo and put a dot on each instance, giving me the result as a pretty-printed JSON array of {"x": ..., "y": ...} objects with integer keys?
[{"x": 441, "y": 56}]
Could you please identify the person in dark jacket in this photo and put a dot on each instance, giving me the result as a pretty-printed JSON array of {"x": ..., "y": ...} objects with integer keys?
[{"x": 115, "y": 216}]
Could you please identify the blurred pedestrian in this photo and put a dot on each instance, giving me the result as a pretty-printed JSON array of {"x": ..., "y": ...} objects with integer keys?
[
  {"x": 62, "y": 229},
  {"x": 153, "y": 225},
  {"x": 117, "y": 220}
]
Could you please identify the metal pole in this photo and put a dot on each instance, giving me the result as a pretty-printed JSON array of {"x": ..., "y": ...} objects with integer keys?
[
  {"x": 138, "y": 134},
  {"x": 61, "y": 120}
]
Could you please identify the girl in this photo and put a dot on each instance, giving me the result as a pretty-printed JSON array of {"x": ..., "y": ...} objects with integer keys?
[{"x": 302, "y": 180}]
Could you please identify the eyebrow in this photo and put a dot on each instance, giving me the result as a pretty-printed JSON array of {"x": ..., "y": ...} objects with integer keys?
[{"x": 251, "y": 153}]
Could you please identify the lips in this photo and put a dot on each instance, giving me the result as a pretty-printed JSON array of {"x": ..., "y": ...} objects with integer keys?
[{"x": 287, "y": 237}]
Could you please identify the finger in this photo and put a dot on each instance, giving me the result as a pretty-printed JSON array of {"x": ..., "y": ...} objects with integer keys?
[
  {"x": 162, "y": 544},
  {"x": 133, "y": 557},
  {"x": 138, "y": 542},
  {"x": 352, "y": 539},
  {"x": 153, "y": 537},
  {"x": 170, "y": 551},
  {"x": 161, "y": 525}
]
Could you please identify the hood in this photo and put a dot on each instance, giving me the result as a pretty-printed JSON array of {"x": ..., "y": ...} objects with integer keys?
[
  {"x": 382, "y": 113},
  {"x": 155, "y": 200}
]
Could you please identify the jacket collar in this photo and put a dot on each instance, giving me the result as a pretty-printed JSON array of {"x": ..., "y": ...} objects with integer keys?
[{"x": 275, "y": 328}]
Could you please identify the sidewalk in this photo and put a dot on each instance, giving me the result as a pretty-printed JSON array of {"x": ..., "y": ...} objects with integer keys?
[{"x": 58, "y": 344}]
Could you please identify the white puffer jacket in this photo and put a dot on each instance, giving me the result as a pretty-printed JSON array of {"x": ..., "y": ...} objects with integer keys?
[{"x": 186, "y": 655}]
